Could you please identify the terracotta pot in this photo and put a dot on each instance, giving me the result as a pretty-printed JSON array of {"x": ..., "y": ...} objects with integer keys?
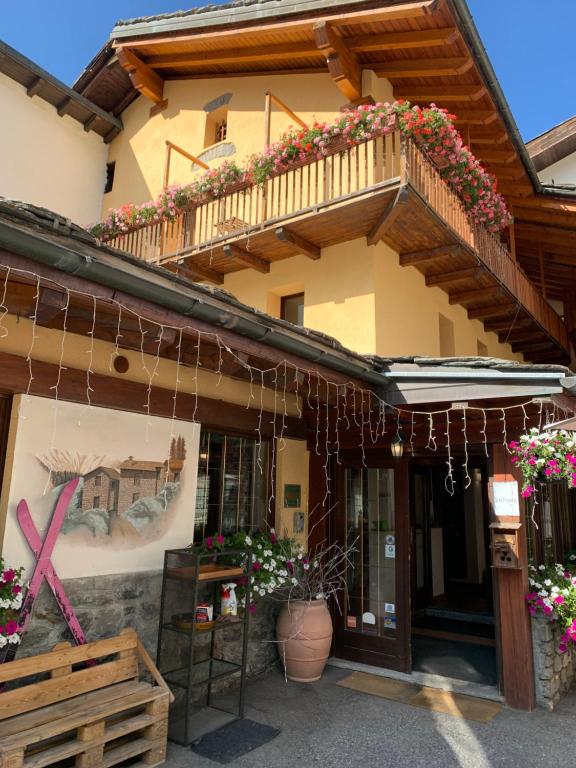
[{"x": 304, "y": 634}]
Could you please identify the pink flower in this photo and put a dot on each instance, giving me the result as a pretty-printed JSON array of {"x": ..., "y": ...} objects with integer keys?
[
  {"x": 220, "y": 539},
  {"x": 8, "y": 576},
  {"x": 256, "y": 566},
  {"x": 11, "y": 627},
  {"x": 547, "y": 609},
  {"x": 209, "y": 542},
  {"x": 16, "y": 589},
  {"x": 252, "y": 608},
  {"x": 527, "y": 492},
  {"x": 559, "y": 600}
]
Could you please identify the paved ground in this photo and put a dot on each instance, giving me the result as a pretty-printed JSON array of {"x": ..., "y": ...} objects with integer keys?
[{"x": 333, "y": 727}]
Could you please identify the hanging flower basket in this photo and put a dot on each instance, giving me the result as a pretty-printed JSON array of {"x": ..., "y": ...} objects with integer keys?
[{"x": 545, "y": 457}]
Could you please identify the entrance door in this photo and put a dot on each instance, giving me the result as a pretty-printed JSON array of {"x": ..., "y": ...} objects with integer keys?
[{"x": 373, "y": 619}]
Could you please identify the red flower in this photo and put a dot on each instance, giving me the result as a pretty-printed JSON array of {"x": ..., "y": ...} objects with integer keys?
[{"x": 256, "y": 566}]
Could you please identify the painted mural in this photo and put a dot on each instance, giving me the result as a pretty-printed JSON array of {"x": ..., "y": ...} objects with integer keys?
[{"x": 136, "y": 492}]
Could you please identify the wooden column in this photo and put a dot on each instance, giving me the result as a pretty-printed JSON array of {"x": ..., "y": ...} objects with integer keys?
[
  {"x": 511, "y": 586},
  {"x": 542, "y": 269}
]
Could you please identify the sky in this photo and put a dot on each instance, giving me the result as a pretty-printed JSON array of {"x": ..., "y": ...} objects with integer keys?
[{"x": 531, "y": 49}]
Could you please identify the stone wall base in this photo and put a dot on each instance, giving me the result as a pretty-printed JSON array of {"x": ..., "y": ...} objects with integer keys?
[
  {"x": 105, "y": 605},
  {"x": 554, "y": 672}
]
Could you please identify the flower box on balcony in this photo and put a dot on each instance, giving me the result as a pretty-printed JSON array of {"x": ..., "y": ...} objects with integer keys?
[{"x": 237, "y": 186}]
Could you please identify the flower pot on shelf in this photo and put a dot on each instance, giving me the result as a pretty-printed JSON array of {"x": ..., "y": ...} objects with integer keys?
[{"x": 304, "y": 634}]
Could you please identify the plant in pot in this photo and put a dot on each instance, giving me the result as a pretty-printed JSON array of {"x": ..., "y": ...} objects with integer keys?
[
  {"x": 11, "y": 596},
  {"x": 282, "y": 570}
]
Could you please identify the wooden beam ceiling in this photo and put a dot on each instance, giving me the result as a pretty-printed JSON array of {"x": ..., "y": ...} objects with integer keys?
[
  {"x": 394, "y": 41},
  {"x": 247, "y": 259},
  {"x": 444, "y": 93},
  {"x": 246, "y": 55},
  {"x": 298, "y": 243},
  {"x": 423, "y": 67}
]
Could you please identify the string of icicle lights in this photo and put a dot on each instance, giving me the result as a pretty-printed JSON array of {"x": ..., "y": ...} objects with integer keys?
[{"x": 351, "y": 406}]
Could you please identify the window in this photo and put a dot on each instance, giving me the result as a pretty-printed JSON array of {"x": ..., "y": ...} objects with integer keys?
[
  {"x": 135, "y": 497},
  {"x": 216, "y": 126},
  {"x": 482, "y": 349},
  {"x": 136, "y": 479},
  {"x": 232, "y": 489},
  {"x": 292, "y": 308},
  {"x": 110, "y": 169},
  {"x": 96, "y": 504},
  {"x": 446, "y": 332},
  {"x": 97, "y": 481}
]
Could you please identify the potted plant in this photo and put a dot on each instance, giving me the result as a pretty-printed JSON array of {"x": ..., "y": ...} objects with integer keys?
[
  {"x": 282, "y": 570},
  {"x": 11, "y": 596}
]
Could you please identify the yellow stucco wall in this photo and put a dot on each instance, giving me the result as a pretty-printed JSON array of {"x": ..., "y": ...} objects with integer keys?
[
  {"x": 292, "y": 461},
  {"x": 139, "y": 150},
  {"x": 363, "y": 297}
]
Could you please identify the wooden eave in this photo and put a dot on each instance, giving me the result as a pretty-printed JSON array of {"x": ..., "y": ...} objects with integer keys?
[{"x": 417, "y": 46}]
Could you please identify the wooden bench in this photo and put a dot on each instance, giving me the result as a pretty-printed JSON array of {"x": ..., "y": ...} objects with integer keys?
[{"x": 91, "y": 710}]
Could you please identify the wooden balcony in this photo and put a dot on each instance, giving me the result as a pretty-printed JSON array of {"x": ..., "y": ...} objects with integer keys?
[{"x": 383, "y": 189}]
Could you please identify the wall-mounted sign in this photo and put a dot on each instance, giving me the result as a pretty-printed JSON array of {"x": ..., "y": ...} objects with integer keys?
[
  {"x": 292, "y": 496},
  {"x": 390, "y": 550},
  {"x": 505, "y": 500}
]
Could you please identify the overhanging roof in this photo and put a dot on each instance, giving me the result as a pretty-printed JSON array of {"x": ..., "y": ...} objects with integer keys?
[
  {"x": 553, "y": 145},
  {"x": 40, "y": 83},
  {"x": 49, "y": 239}
]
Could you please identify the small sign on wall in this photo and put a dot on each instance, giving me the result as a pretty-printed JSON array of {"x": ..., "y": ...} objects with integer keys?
[
  {"x": 505, "y": 499},
  {"x": 292, "y": 496}
]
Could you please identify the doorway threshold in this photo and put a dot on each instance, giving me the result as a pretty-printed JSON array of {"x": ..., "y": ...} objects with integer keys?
[{"x": 423, "y": 678}]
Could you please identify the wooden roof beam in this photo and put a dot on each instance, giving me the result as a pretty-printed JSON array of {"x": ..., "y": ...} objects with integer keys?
[
  {"x": 342, "y": 64},
  {"x": 494, "y": 310},
  {"x": 193, "y": 271},
  {"x": 476, "y": 294},
  {"x": 496, "y": 156},
  {"x": 545, "y": 202},
  {"x": 394, "y": 41},
  {"x": 144, "y": 79},
  {"x": 35, "y": 86},
  {"x": 481, "y": 138},
  {"x": 443, "y": 93},
  {"x": 300, "y": 244},
  {"x": 242, "y": 256},
  {"x": 445, "y": 278},
  {"x": 264, "y": 53},
  {"x": 475, "y": 116},
  {"x": 422, "y": 67},
  {"x": 430, "y": 254}
]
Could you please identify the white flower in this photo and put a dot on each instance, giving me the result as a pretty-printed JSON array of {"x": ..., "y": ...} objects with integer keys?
[
  {"x": 294, "y": 581},
  {"x": 306, "y": 566},
  {"x": 543, "y": 593},
  {"x": 319, "y": 596},
  {"x": 547, "y": 583},
  {"x": 540, "y": 567},
  {"x": 248, "y": 541},
  {"x": 14, "y": 639},
  {"x": 572, "y": 557},
  {"x": 272, "y": 532},
  {"x": 3, "y": 641}
]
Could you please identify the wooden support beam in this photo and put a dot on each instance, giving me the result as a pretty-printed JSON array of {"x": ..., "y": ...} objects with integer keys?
[
  {"x": 342, "y": 64},
  {"x": 35, "y": 86},
  {"x": 512, "y": 237},
  {"x": 477, "y": 294},
  {"x": 264, "y": 54},
  {"x": 248, "y": 259},
  {"x": 496, "y": 156},
  {"x": 444, "y": 278},
  {"x": 299, "y": 244},
  {"x": 551, "y": 235},
  {"x": 423, "y": 67},
  {"x": 516, "y": 335},
  {"x": 476, "y": 116},
  {"x": 504, "y": 323},
  {"x": 509, "y": 173},
  {"x": 90, "y": 122},
  {"x": 529, "y": 347},
  {"x": 488, "y": 138},
  {"x": 544, "y": 203},
  {"x": 388, "y": 217},
  {"x": 497, "y": 310},
  {"x": 430, "y": 254},
  {"x": 62, "y": 108},
  {"x": 286, "y": 109},
  {"x": 144, "y": 79},
  {"x": 394, "y": 41},
  {"x": 442, "y": 93},
  {"x": 193, "y": 271},
  {"x": 50, "y": 304}
]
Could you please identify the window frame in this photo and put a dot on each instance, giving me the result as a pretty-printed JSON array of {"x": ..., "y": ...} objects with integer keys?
[{"x": 284, "y": 299}]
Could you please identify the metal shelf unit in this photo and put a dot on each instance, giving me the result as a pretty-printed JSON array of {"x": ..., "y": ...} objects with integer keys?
[{"x": 188, "y": 656}]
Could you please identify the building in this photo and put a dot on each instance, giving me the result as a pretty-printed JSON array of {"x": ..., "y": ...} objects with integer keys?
[
  {"x": 56, "y": 139},
  {"x": 342, "y": 327},
  {"x": 100, "y": 489}
]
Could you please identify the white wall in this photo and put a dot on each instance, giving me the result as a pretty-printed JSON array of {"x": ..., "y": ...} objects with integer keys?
[
  {"x": 562, "y": 172},
  {"x": 49, "y": 160}
]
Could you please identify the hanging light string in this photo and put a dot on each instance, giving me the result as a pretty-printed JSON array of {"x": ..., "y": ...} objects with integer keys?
[
  {"x": 349, "y": 388},
  {"x": 3, "y": 308}
]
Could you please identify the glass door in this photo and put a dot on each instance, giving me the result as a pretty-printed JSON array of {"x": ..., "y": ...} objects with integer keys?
[{"x": 373, "y": 625}]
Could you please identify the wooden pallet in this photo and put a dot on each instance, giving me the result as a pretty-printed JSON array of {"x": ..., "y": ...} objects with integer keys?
[{"x": 96, "y": 717}]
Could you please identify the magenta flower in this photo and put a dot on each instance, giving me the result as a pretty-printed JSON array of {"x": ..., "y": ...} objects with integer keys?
[
  {"x": 11, "y": 627},
  {"x": 209, "y": 542},
  {"x": 256, "y": 566},
  {"x": 220, "y": 539},
  {"x": 559, "y": 600}
]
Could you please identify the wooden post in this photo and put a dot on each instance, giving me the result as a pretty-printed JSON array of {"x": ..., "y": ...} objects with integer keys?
[
  {"x": 542, "y": 270},
  {"x": 267, "y": 119},
  {"x": 167, "y": 165},
  {"x": 570, "y": 316},
  {"x": 510, "y": 588}
]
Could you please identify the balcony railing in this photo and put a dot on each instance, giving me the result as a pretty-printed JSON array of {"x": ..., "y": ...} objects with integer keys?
[{"x": 348, "y": 175}]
